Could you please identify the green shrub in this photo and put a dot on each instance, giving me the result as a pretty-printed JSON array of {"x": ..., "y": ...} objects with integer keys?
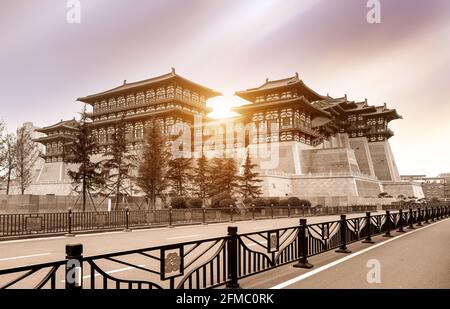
[
  {"x": 226, "y": 203},
  {"x": 275, "y": 201},
  {"x": 178, "y": 202},
  {"x": 259, "y": 202},
  {"x": 305, "y": 203},
  {"x": 294, "y": 201},
  {"x": 284, "y": 203},
  {"x": 215, "y": 200},
  {"x": 195, "y": 202},
  {"x": 248, "y": 201}
]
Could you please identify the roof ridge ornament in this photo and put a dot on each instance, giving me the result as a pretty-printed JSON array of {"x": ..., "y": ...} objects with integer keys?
[
  {"x": 124, "y": 81},
  {"x": 296, "y": 74},
  {"x": 172, "y": 69},
  {"x": 267, "y": 79}
]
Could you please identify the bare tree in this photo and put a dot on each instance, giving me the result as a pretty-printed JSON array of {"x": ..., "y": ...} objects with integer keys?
[
  {"x": 3, "y": 135},
  {"x": 26, "y": 154},
  {"x": 9, "y": 164}
]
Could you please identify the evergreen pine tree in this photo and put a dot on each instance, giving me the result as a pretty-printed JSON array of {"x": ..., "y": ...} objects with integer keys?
[
  {"x": 88, "y": 175},
  {"x": 248, "y": 181},
  {"x": 119, "y": 163},
  {"x": 152, "y": 167},
  {"x": 179, "y": 175},
  {"x": 201, "y": 176},
  {"x": 214, "y": 176},
  {"x": 223, "y": 176},
  {"x": 230, "y": 178}
]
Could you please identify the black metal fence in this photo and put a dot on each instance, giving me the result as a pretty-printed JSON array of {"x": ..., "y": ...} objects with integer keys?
[
  {"x": 214, "y": 262},
  {"x": 72, "y": 222}
]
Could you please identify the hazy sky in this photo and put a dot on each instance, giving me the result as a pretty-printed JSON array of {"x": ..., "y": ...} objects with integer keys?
[{"x": 46, "y": 63}]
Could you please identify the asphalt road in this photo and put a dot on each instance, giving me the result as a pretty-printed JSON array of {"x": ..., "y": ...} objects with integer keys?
[
  {"x": 15, "y": 253},
  {"x": 419, "y": 258}
]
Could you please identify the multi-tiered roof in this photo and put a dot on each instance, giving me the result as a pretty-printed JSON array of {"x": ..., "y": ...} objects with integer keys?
[{"x": 329, "y": 115}]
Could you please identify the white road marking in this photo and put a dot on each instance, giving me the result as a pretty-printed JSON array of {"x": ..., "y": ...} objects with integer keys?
[
  {"x": 109, "y": 272},
  {"x": 348, "y": 257},
  {"x": 24, "y": 256},
  {"x": 181, "y": 237}
]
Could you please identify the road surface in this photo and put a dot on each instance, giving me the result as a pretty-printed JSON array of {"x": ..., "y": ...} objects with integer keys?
[
  {"x": 419, "y": 258},
  {"x": 14, "y": 253}
]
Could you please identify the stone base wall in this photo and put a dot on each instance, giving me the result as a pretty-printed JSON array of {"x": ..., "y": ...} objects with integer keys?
[
  {"x": 325, "y": 190},
  {"x": 347, "y": 200},
  {"x": 329, "y": 160},
  {"x": 324, "y": 186},
  {"x": 405, "y": 188}
]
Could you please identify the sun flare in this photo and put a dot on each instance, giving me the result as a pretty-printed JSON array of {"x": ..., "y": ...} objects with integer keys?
[{"x": 222, "y": 106}]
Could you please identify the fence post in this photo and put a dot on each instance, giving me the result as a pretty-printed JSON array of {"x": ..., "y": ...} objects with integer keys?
[
  {"x": 368, "y": 239},
  {"x": 204, "y": 214},
  {"x": 432, "y": 214},
  {"x": 303, "y": 246},
  {"x": 253, "y": 212},
  {"x": 231, "y": 213},
  {"x": 411, "y": 219},
  {"x": 74, "y": 267},
  {"x": 289, "y": 210},
  {"x": 426, "y": 215},
  {"x": 343, "y": 227},
  {"x": 388, "y": 224},
  {"x": 232, "y": 258},
  {"x": 69, "y": 228},
  {"x": 127, "y": 220},
  {"x": 170, "y": 216},
  {"x": 400, "y": 221},
  {"x": 303, "y": 210},
  {"x": 419, "y": 217},
  {"x": 271, "y": 210}
]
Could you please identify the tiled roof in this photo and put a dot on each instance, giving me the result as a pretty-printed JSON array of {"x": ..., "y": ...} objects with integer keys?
[{"x": 147, "y": 82}]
